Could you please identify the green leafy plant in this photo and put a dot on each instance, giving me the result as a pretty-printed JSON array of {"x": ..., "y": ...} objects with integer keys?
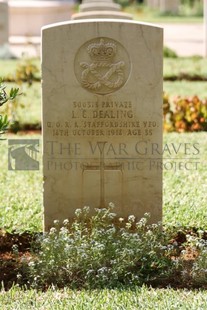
[
  {"x": 3, "y": 124},
  {"x": 5, "y": 97},
  {"x": 92, "y": 251},
  {"x": 169, "y": 53},
  {"x": 25, "y": 72}
]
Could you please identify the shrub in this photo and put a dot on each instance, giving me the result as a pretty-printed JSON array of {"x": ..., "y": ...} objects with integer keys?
[
  {"x": 94, "y": 252},
  {"x": 199, "y": 269},
  {"x": 169, "y": 53},
  {"x": 26, "y": 72},
  {"x": 187, "y": 114},
  {"x": 193, "y": 259}
]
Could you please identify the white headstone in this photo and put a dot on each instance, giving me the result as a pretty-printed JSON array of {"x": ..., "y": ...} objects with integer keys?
[
  {"x": 4, "y": 22},
  {"x": 169, "y": 6},
  {"x": 205, "y": 28},
  {"x": 5, "y": 52},
  {"x": 102, "y": 117},
  {"x": 154, "y": 4}
]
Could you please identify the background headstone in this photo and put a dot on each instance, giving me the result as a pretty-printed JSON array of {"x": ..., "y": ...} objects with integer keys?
[
  {"x": 4, "y": 22},
  {"x": 205, "y": 27},
  {"x": 27, "y": 17},
  {"x": 5, "y": 52},
  {"x": 169, "y": 6},
  {"x": 165, "y": 6},
  {"x": 102, "y": 117},
  {"x": 100, "y": 9},
  {"x": 154, "y": 4}
]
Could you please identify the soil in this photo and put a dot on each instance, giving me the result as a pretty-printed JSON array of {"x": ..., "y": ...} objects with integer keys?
[{"x": 11, "y": 264}]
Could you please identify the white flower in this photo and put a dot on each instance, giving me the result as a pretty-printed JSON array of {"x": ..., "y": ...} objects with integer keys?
[
  {"x": 111, "y": 205},
  {"x": 53, "y": 230},
  {"x": 78, "y": 212},
  {"x": 65, "y": 222},
  {"x": 56, "y": 222},
  {"x": 131, "y": 218}
]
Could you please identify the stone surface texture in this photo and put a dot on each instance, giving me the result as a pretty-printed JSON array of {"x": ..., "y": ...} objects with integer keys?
[{"x": 102, "y": 117}]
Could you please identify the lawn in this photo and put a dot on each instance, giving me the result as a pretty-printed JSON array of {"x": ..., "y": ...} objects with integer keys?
[
  {"x": 172, "y": 66},
  {"x": 142, "y": 298},
  {"x": 26, "y": 110},
  {"x": 184, "y": 203},
  {"x": 187, "y": 206},
  {"x": 185, "y": 191},
  {"x": 144, "y": 14}
]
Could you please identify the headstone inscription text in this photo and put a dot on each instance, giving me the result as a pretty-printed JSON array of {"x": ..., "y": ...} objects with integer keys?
[{"x": 102, "y": 118}]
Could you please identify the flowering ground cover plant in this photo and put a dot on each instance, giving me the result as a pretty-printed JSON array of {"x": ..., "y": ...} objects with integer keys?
[{"x": 94, "y": 251}]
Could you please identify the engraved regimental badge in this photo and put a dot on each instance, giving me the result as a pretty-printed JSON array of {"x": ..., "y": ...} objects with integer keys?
[{"x": 102, "y": 66}]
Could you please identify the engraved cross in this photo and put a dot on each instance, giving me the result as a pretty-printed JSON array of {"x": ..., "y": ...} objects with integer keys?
[{"x": 102, "y": 167}]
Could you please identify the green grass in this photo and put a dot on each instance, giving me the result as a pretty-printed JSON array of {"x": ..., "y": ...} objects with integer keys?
[
  {"x": 144, "y": 14},
  {"x": 21, "y": 195},
  {"x": 172, "y": 66},
  {"x": 28, "y": 110},
  {"x": 8, "y": 67},
  {"x": 28, "y": 106},
  {"x": 188, "y": 65},
  {"x": 185, "y": 191},
  {"x": 185, "y": 89},
  {"x": 142, "y": 298},
  {"x": 184, "y": 204}
]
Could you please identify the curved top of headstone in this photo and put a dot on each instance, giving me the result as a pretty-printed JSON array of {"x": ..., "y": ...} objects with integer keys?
[{"x": 100, "y": 9}]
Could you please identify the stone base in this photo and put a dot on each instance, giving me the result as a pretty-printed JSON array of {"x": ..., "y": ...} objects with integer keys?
[
  {"x": 101, "y": 14},
  {"x": 27, "y": 17},
  {"x": 5, "y": 52},
  {"x": 96, "y": 6}
]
